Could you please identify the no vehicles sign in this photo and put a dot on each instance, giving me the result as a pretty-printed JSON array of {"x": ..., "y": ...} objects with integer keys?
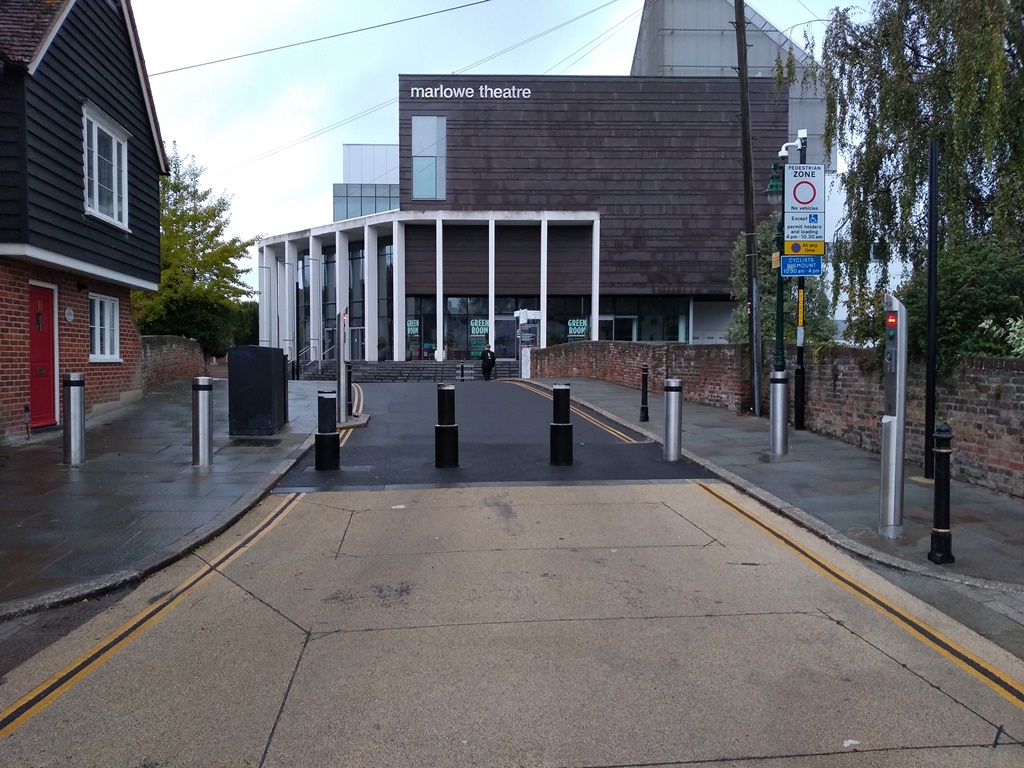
[{"x": 805, "y": 188}]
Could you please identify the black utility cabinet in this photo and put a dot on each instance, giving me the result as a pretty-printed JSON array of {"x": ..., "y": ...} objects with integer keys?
[{"x": 257, "y": 390}]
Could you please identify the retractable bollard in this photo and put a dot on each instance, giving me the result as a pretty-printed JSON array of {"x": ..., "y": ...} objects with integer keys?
[
  {"x": 202, "y": 421},
  {"x": 942, "y": 534},
  {"x": 326, "y": 442},
  {"x": 446, "y": 431},
  {"x": 348, "y": 394},
  {"x": 673, "y": 424},
  {"x": 561, "y": 427},
  {"x": 462, "y": 371},
  {"x": 74, "y": 418},
  {"x": 645, "y": 414}
]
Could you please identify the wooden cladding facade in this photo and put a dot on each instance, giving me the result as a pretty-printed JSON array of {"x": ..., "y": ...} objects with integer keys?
[
  {"x": 658, "y": 158},
  {"x": 90, "y": 61}
]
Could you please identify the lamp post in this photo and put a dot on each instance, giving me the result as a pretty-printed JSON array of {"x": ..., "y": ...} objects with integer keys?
[{"x": 779, "y": 401}]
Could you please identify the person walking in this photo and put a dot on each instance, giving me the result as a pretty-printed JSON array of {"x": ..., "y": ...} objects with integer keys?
[{"x": 487, "y": 358}]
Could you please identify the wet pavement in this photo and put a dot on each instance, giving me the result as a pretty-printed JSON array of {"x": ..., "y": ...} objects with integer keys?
[{"x": 137, "y": 503}]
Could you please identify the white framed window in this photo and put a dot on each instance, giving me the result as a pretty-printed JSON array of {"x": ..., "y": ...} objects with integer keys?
[
  {"x": 106, "y": 168},
  {"x": 429, "y": 157},
  {"x": 104, "y": 333}
]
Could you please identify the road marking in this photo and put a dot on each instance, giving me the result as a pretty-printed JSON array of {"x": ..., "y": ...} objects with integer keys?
[
  {"x": 43, "y": 696},
  {"x": 582, "y": 414},
  {"x": 1002, "y": 683}
]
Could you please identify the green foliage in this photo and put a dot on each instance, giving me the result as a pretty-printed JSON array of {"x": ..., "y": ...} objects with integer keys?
[
  {"x": 247, "y": 323},
  {"x": 945, "y": 70},
  {"x": 818, "y": 323},
  {"x": 200, "y": 280},
  {"x": 979, "y": 286}
]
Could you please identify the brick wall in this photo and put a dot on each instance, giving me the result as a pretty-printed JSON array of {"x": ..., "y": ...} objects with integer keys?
[
  {"x": 710, "y": 374},
  {"x": 107, "y": 383},
  {"x": 983, "y": 401},
  {"x": 170, "y": 358}
]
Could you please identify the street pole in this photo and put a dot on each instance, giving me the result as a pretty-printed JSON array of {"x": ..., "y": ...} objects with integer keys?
[
  {"x": 749, "y": 214},
  {"x": 779, "y": 439},
  {"x": 932, "y": 310},
  {"x": 798, "y": 372}
]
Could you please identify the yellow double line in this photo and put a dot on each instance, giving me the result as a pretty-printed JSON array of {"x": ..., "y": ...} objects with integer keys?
[
  {"x": 1002, "y": 683},
  {"x": 582, "y": 414},
  {"x": 44, "y": 695}
]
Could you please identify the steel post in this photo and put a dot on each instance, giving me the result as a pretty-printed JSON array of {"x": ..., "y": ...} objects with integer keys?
[
  {"x": 202, "y": 421},
  {"x": 74, "y": 418},
  {"x": 673, "y": 427}
]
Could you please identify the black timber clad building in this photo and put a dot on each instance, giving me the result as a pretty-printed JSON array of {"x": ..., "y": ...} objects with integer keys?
[
  {"x": 607, "y": 204},
  {"x": 80, "y": 161}
]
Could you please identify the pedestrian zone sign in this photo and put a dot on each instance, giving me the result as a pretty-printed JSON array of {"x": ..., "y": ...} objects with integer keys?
[{"x": 801, "y": 266}]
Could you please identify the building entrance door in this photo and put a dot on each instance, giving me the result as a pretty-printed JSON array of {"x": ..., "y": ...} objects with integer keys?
[
  {"x": 505, "y": 347},
  {"x": 42, "y": 373}
]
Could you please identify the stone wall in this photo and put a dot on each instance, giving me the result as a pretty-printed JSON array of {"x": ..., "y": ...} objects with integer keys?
[{"x": 982, "y": 401}]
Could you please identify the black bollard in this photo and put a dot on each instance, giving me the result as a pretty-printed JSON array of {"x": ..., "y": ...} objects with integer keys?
[
  {"x": 942, "y": 536},
  {"x": 561, "y": 428},
  {"x": 462, "y": 371},
  {"x": 644, "y": 413},
  {"x": 326, "y": 441},
  {"x": 446, "y": 432},
  {"x": 348, "y": 395}
]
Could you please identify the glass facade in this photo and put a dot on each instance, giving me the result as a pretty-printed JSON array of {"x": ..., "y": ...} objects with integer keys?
[{"x": 353, "y": 200}]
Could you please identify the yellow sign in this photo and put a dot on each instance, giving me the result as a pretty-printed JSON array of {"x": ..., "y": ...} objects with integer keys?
[
  {"x": 805, "y": 247},
  {"x": 776, "y": 260}
]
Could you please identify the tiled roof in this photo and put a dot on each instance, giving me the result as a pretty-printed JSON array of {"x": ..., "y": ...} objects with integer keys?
[{"x": 24, "y": 25}]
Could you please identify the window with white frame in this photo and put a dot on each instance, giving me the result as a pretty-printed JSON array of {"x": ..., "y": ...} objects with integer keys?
[
  {"x": 103, "y": 328},
  {"x": 106, "y": 168}
]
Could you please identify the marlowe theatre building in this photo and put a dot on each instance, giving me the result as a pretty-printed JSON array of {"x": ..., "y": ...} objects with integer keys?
[{"x": 589, "y": 207}]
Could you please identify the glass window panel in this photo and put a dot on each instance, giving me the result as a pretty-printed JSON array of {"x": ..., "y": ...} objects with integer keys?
[
  {"x": 478, "y": 305},
  {"x": 424, "y": 178}
]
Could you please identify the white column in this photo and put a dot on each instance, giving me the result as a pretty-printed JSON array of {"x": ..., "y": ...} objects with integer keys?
[
  {"x": 490, "y": 281},
  {"x": 398, "y": 343},
  {"x": 342, "y": 286},
  {"x": 595, "y": 279},
  {"x": 370, "y": 299},
  {"x": 278, "y": 277},
  {"x": 439, "y": 264},
  {"x": 289, "y": 331},
  {"x": 267, "y": 306},
  {"x": 542, "y": 342},
  {"x": 316, "y": 298}
]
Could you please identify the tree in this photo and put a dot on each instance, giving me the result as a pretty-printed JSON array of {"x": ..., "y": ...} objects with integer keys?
[
  {"x": 944, "y": 70},
  {"x": 200, "y": 279},
  {"x": 819, "y": 326}
]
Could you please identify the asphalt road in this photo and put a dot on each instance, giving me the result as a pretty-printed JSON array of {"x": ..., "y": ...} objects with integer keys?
[{"x": 504, "y": 430}]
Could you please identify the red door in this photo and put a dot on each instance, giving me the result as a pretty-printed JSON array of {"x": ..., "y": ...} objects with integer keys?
[{"x": 42, "y": 377}]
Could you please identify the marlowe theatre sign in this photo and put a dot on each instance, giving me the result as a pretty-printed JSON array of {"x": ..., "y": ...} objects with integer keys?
[{"x": 469, "y": 92}]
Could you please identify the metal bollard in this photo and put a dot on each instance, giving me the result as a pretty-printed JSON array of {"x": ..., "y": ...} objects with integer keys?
[
  {"x": 673, "y": 424},
  {"x": 326, "y": 441},
  {"x": 348, "y": 395},
  {"x": 942, "y": 535},
  {"x": 74, "y": 418},
  {"x": 462, "y": 371},
  {"x": 561, "y": 427},
  {"x": 779, "y": 421},
  {"x": 202, "y": 421},
  {"x": 446, "y": 431},
  {"x": 644, "y": 412},
  {"x": 326, "y": 411}
]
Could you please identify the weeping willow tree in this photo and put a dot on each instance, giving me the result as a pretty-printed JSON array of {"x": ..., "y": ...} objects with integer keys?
[{"x": 914, "y": 72}]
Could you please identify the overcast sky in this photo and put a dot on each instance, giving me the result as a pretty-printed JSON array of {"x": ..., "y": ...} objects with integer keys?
[{"x": 239, "y": 117}]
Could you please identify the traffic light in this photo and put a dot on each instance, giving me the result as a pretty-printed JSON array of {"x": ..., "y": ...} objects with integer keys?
[{"x": 891, "y": 321}]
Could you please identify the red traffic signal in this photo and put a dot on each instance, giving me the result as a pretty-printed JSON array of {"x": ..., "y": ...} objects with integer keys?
[{"x": 891, "y": 319}]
